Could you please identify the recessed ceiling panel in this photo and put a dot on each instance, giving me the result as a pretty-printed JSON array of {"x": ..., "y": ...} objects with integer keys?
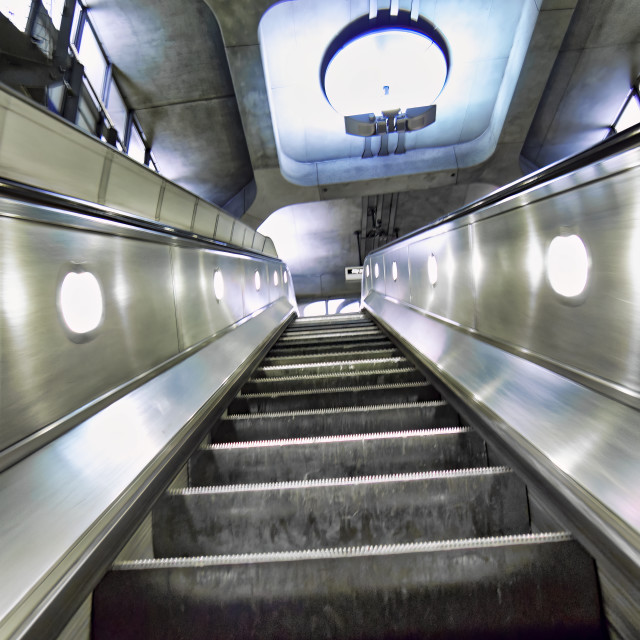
[{"x": 485, "y": 41}]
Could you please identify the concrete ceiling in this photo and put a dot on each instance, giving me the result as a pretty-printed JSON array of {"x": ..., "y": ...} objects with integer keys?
[{"x": 194, "y": 72}]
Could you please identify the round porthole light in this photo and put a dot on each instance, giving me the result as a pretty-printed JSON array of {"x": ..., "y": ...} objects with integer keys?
[
  {"x": 218, "y": 284},
  {"x": 432, "y": 269},
  {"x": 388, "y": 63},
  {"x": 367, "y": 271},
  {"x": 276, "y": 279},
  {"x": 256, "y": 280},
  {"x": 376, "y": 270},
  {"x": 394, "y": 270},
  {"x": 286, "y": 277},
  {"x": 568, "y": 265},
  {"x": 80, "y": 302}
]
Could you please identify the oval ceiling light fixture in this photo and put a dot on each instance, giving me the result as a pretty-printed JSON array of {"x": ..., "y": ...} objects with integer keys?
[{"x": 385, "y": 64}]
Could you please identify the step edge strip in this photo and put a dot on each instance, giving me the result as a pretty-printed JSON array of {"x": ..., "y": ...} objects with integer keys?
[
  {"x": 347, "y": 552},
  {"x": 309, "y": 365},
  {"x": 339, "y": 482},
  {"x": 335, "y": 410},
  {"x": 339, "y": 438},
  {"x": 302, "y": 392},
  {"x": 336, "y": 374}
]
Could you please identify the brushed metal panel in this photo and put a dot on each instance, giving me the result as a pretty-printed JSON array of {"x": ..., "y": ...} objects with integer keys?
[
  {"x": 224, "y": 228},
  {"x": 44, "y": 374},
  {"x": 378, "y": 284},
  {"x": 275, "y": 291},
  {"x": 452, "y": 297},
  {"x": 599, "y": 335},
  {"x": 199, "y": 314},
  {"x": 398, "y": 289},
  {"x": 205, "y": 221},
  {"x": 57, "y": 503},
  {"x": 42, "y": 150},
  {"x": 239, "y": 234},
  {"x": 132, "y": 187},
  {"x": 253, "y": 299},
  {"x": 177, "y": 207}
]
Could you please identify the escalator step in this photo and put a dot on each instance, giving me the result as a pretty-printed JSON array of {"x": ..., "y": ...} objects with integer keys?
[
  {"x": 339, "y": 366},
  {"x": 331, "y": 380},
  {"x": 336, "y": 397},
  {"x": 525, "y": 587},
  {"x": 313, "y": 514},
  {"x": 337, "y": 457},
  {"x": 343, "y": 354},
  {"x": 333, "y": 422},
  {"x": 367, "y": 342}
]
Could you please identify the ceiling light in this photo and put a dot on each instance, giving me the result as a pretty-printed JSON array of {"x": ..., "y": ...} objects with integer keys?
[{"x": 385, "y": 64}]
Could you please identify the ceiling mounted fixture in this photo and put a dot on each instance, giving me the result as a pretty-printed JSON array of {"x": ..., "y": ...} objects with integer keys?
[{"x": 384, "y": 74}]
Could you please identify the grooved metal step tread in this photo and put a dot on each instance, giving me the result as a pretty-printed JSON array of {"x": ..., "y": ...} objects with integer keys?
[
  {"x": 434, "y": 546},
  {"x": 502, "y": 588},
  {"x": 332, "y": 379},
  {"x": 336, "y": 397},
  {"x": 354, "y": 332},
  {"x": 333, "y": 355},
  {"x": 366, "y": 324},
  {"x": 336, "y": 366},
  {"x": 307, "y": 514},
  {"x": 475, "y": 590},
  {"x": 337, "y": 410},
  {"x": 343, "y": 420},
  {"x": 296, "y": 349},
  {"x": 337, "y": 456}
]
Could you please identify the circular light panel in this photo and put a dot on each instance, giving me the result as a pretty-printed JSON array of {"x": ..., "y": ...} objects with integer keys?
[
  {"x": 256, "y": 280},
  {"x": 385, "y": 69},
  {"x": 218, "y": 284},
  {"x": 276, "y": 279},
  {"x": 568, "y": 265},
  {"x": 81, "y": 303},
  {"x": 394, "y": 270},
  {"x": 367, "y": 271},
  {"x": 432, "y": 269},
  {"x": 286, "y": 277},
  {"x": 376, "y": 270}
]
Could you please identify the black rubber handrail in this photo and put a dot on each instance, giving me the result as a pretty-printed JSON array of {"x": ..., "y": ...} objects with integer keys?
[{"x": 623, "y": 141}]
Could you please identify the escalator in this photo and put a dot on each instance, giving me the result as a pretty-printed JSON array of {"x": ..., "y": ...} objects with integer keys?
[{"x": 342, "y": 498}]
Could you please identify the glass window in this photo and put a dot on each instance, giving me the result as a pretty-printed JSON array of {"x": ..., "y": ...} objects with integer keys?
[
  {"x": 88, "y": 113},
  {"x": 55, "y": 96},
  {"x": 117, "y": 109},
  {"x": 91, "y": 57},
  {"x": 74, "y": 25},
  {"x": 54, "y": 9},
  {"x": 630, "y": 115},
  {"x": 17, "y": 11},
  {"x": 136, "y": 146}
]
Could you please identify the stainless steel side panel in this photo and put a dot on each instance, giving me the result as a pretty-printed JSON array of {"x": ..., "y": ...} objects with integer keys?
[
  {"x": 398, "y": 288},
  {"x": 492, "y": 275},
  {"x": 253, "y": 298},
  {"x": 57, "y": 503},
  {"x": 44, "y": 374},
  {"x": 515, "y": 304},
  {"x": 452, "y": 296},
  {"x": 199, "y": 313},
  {"x": 592, "y": 440}
]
